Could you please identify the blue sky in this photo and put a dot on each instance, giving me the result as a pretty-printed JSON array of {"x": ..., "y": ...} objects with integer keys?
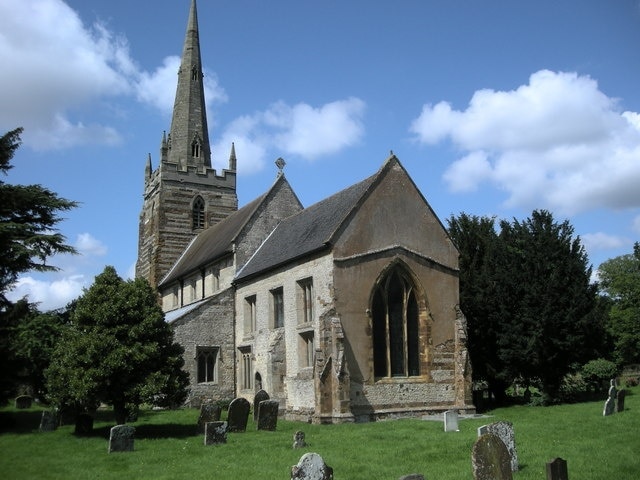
[{"x": 494, "y": 107}]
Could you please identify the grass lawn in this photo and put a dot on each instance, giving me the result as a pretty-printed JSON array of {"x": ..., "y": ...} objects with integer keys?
[{"x": 167, "y": 447}]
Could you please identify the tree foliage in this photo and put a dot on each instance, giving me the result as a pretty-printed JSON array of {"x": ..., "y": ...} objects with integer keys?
[
  {"x": 531, "y": 310},
  {"x": 620, "y": 281},
  {"x": 28, "y": 217},
  {"x": 117, "y": 350}
]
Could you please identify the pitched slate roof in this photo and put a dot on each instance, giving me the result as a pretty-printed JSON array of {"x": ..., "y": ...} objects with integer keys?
[
  {"x": 308, "y": 231},
  {"x": 213, "y": 243}
]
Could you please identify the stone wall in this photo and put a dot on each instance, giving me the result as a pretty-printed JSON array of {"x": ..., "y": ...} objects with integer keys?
[{"x": 210, "y": 325}]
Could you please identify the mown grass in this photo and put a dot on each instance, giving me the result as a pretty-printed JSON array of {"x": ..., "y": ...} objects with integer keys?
[{"x": 167, "y": 447}]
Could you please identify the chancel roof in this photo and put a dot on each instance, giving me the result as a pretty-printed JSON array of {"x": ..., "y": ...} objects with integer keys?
[{"x": 308, "y": 231}]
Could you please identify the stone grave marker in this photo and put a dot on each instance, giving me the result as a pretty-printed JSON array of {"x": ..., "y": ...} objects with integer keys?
[
  {"x": 268, "y": 415},
  {"x": 557, "y": 469},
  {"x": 208, "y": 413},
  {"x": 451, "y": 421},
  {"x": 24, "y": 401},
  {"x": 215, "y": 433},
  {"x": 311, "y": 466},
  {"x": 412, "y": 476},
  {"x": 121, "y": 438},
  {"x": 84, "y": 424},
  {"x": 48, "y": 421},
  {"x": 620, "y": 400},
  {"x": 238, "y": 414},
  {"x": 610, "y": 403},
  {"x": 259, "y": 397},
  {"x": 298, "y": 440},
  {"x": 504, "y": 431},
  {"x": 490, "y": 459}
]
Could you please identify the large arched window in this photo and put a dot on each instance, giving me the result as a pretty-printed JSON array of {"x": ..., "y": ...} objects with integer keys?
[
  {"x": 395, "y": 315},
  {"x": 198, "y": 213}
]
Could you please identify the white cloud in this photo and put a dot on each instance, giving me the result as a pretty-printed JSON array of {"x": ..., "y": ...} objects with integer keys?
[
  {"x": 52, "y": 65},
  {"x": 50, "y": 295},
  {"x": 88, "y": 245},
  {"x": 602, "y": 241},
  {"x": 300, "y": 130},
  {"x": 60, "y": 69},
  {"x": 557, "y": 142}
]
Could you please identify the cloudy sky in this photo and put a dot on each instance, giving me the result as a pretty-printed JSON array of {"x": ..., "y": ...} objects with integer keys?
[{"x": 495, "y": 108}]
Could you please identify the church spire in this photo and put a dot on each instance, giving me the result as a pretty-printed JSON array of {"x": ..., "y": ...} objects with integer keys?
[{"x": 188, "y": 142}]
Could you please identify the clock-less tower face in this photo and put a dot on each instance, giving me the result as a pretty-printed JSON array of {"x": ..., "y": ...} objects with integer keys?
[{"x": 184, "y": 194}]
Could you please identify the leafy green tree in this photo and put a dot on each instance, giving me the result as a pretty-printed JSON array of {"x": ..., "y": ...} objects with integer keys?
[
  {"x": 117, "y": 350},
  {"x": 29, "y": 215},
  {"x": 620, "y": 282},
  {"x": 476, "y": 239},
  {"x": 548, "y": 317},
  {"x": 34, "y": 337},
  {"x": 532, "y": 313}
]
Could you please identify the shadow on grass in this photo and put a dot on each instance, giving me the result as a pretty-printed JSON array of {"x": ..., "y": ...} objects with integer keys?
[
  {"x": 20, "y": 422},
  {"x": 168, "y": 430}
]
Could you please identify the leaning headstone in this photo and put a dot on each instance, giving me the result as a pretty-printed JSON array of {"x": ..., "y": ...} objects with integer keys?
[
  {"x": 238, "y": 414},
  {"x": 259, "y": 397},
  {"x": 504, "y": 431},
  {"x": 84, "y": 424},
  {"x": 311, "y": 467},
  {"x": 298, "y": 440},
  {"x": 610, "y": 403},
  {"x": 451, "y": 421},
  {"x": 412, "y": 476},
  {"x": 208, "y": 413},
  {"x": 557, "y": 469},
  {"x": 121, "y": 438},
  {"x": 24, "y": 401},
  {"x": 620, "y": 400},
  {"x": 268, "y": 415},
  {"x": 48, "y": 421},
  {"x": 490, "y": 459},
  {"x": 215, "y": 433}
]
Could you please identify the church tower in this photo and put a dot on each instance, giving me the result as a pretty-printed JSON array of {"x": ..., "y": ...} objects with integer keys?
[{"x": 184, "y": 195}]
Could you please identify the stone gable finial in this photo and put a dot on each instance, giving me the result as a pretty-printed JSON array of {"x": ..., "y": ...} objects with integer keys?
[{"x": 280, "y": 163}]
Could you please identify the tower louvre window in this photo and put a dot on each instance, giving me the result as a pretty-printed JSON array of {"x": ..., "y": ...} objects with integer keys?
[{"x": 198, "y": 213}]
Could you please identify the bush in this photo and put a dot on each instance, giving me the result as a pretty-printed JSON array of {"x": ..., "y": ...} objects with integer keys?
[{"x": 598, "y": 373}]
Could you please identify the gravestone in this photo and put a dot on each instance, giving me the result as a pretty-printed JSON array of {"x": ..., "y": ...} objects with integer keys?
[
  {"x": 311, "y": 467},
  {"x": 24, "y": 401},
  {"x": 121, "y": 438},
  {"x": 268, "y": 415},
  {"x": 84, "y": 424},
  {"x": 451, "y": 421},
  {"x": 412, "y": 476},
  {"x": 620, "y": 400},
  {"x": 610, "y": 403},
  {"x": 259, "y": 397},
  {"x": 557, "y": 469},
  {"x": 208, "y": 413},
  {"x": 490, "y": 459},
  {"x": 238, "y": 414},
  {"x": 49, "y": 421},
  {"x": 298, "y": 440},
  {"x": 504, "y": 431},
  {"x": 215, "y": 433}
]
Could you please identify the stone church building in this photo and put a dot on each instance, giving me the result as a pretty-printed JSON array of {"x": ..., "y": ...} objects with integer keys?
[{"x": 346, "y": 310}]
